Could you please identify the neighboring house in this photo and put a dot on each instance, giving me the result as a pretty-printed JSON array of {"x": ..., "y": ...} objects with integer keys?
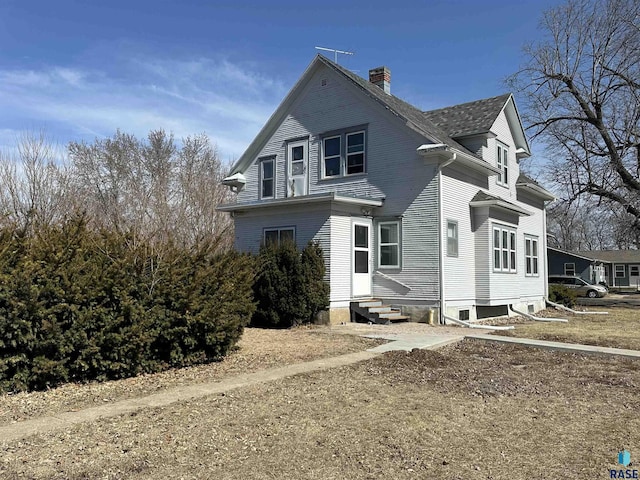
[
  {"x": 424, "y": 210},
  {"x": 617, "y": 268},
  {"x": 622, "y": 267},
  {"x": 562, "y": 262}
]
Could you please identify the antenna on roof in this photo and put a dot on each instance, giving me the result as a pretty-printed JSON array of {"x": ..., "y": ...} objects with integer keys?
[{"x": 335, "y": 52}]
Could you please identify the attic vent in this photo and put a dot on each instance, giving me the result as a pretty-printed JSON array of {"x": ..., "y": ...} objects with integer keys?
[{"x": 323, "y": 82}]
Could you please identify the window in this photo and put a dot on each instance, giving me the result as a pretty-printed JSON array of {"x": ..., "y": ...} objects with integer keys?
[
  {"x": 620, "y": 271},
  {"x": 332, "y": 160},
  {"x": 343, "y": 154},
  {"x": 503, "y": 164},
  {"x": 570, "y": 269},
  {"x": 389, "y": 244},
  {"x": 452, "y": 238},
  {"x": 277, "y": 236},
  {"x": 504, "y": 250},
  {"x": 355, "y": 153},
  {"x": 531, "y": 256},
  {"x": 266, "y": 174}
]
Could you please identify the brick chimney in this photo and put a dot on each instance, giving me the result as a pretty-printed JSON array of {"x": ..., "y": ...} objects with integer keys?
[{"x": 381, "y": 77}]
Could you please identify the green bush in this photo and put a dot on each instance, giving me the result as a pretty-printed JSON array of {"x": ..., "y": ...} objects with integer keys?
[
  {"x": 562, "y": 294},
  {"x": 289, "y": 287},
  {"x": 79, "y": 305}
]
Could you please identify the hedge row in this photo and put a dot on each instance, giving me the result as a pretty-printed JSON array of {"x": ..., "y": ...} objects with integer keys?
[{"x": 78, "y": 305}]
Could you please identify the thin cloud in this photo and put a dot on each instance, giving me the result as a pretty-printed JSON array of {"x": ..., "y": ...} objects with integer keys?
[{"x": 230, "y": 102}]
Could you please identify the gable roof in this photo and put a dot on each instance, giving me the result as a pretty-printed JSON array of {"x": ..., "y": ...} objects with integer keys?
[
  {"x": 414, "y": 117},
  {"x": 613, "y": 256},
  {"x": 469, "y": 118}
]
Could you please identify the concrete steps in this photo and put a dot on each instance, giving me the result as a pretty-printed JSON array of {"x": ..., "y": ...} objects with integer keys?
[{"x": 372, "y": 310}]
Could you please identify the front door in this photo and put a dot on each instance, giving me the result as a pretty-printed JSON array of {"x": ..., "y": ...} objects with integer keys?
[
  {"x": 361, "y": 258},
  {"x": 297, "y": 168},
  {"x": 634, "y": 275}
]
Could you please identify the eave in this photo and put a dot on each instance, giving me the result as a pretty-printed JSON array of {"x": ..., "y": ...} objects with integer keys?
[
  {"x": 536, "y": 190},
  {"x": 501, "y": 205},
  {"x": 307, "y": 199},
  {"x": 442, "y": 152}
]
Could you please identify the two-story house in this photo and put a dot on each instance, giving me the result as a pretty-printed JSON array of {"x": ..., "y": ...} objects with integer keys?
[{"x": 424, "y": 210}]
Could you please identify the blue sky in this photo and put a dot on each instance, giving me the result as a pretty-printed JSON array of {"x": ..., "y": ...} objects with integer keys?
[{"x": 79, "y": 69}]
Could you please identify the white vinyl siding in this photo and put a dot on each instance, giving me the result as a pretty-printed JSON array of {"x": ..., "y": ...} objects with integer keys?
[
  {"x": 531, "y": 256},
  {"x": 389, "y": 244},
  {"x": 504, "y": 249}
]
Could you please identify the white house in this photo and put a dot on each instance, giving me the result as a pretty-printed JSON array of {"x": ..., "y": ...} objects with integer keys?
[{"x": 423, "y": 210}]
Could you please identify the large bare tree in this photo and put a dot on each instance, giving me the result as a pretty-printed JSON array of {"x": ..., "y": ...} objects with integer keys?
[{"x": 581, "y": 92}]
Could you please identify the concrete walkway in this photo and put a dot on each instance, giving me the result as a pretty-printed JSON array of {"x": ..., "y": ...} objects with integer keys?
[
  {"x": 564, "y": 347},
  {"x": 406, "y": 342}
]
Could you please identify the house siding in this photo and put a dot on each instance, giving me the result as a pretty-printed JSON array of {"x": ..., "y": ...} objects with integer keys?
[{"x": 340, "y": 258}]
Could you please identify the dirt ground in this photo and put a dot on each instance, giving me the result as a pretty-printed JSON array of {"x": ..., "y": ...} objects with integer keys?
[
  {"x": 257, "y": 350},
  {"x": 619, "y": 329},
  {"x": 469, "y": 411}
]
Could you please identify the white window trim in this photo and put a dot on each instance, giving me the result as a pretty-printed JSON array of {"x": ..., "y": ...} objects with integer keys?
[
  {"x": 535, "y": 259},
  {"x": 624, "y": 271},
  {"x": 574, "y": 269},
  {"x": 457, "y": 239},
  {"x": 502, "y": 163},
  {"x": 273, "y": 178},
  {"x": 511, "y": 249},
  {"x": 397, "y": 244},
  {"x": 344, "y": 154},
  {"x": 279, "y": 230}
]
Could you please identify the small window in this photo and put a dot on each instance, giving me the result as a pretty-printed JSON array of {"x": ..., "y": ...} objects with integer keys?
[
  {"x": 355, "y": 153},
  {"x": 389, "y": 244},
  {"x": 531, "y": 256},
  {"x": 331, "y": 156},
  {"x": 452, "y": 238},
  {"x": 463, "y": 314},
  {"x": 620, "y": 271},
  {"x": 504, "y": 250},
  {"x": 570, "y": 269},
  {"x": 503, "y": 165},
  {"x": 277, "y": 236},
  {"x": 266, "y": 172}
]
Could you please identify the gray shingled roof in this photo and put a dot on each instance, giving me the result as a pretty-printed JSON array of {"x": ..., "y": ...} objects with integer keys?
[
  {"x": 401, "y": 108},
  {"x": 613, "y": 256},
  {"x": 468, "y": 118}
]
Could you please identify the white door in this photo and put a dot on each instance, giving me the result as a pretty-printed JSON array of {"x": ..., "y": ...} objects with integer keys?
[
  {"x": 634, "y": 275},
  {"x": 297, "y": 168},
  {"x": 361, "y": 258}
]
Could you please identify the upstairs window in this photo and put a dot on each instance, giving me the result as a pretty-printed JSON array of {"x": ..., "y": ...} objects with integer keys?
[
  {"x": 343, "y": 154},
  {"x": 504, "y": 249},
  {"x": 266, "y": 174},
  {"x": 531, "y": 256},
  {"x": 277, "y": 236},
  {"x": 331, "y": 156},
  {"x": 503, "y": 165}
]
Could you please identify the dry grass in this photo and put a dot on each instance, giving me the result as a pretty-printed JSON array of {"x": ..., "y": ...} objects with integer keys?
[
  {"x": 470, "y": 411},
  {"x": 619, "y": 329},
  {"x": 258, "y": 349}
]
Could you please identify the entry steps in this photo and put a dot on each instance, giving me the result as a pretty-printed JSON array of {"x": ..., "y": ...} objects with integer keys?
[{"x": 372, "y": 310}]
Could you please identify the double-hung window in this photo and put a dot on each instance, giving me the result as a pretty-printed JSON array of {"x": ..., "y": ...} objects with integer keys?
[
  {"x": 266, "y": 178},
  {"x": 389, "y": 244},
  {"x": 620, "y": 271},
  {"x": 531, "y": 256},
  {"x": 503, "y": 165},
  {"x": 279, "y": 235},
  {"x": 452, "y": 238},
  {"x": 504, "y": 249},
  {"x": 344, "y": 154}
]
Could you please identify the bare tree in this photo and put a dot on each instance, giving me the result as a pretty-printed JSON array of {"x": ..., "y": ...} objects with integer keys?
[{"x": 582, "y": 99}]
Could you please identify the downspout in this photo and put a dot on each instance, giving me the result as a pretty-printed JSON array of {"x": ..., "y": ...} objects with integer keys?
[{"x": 440, "y": 233}]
